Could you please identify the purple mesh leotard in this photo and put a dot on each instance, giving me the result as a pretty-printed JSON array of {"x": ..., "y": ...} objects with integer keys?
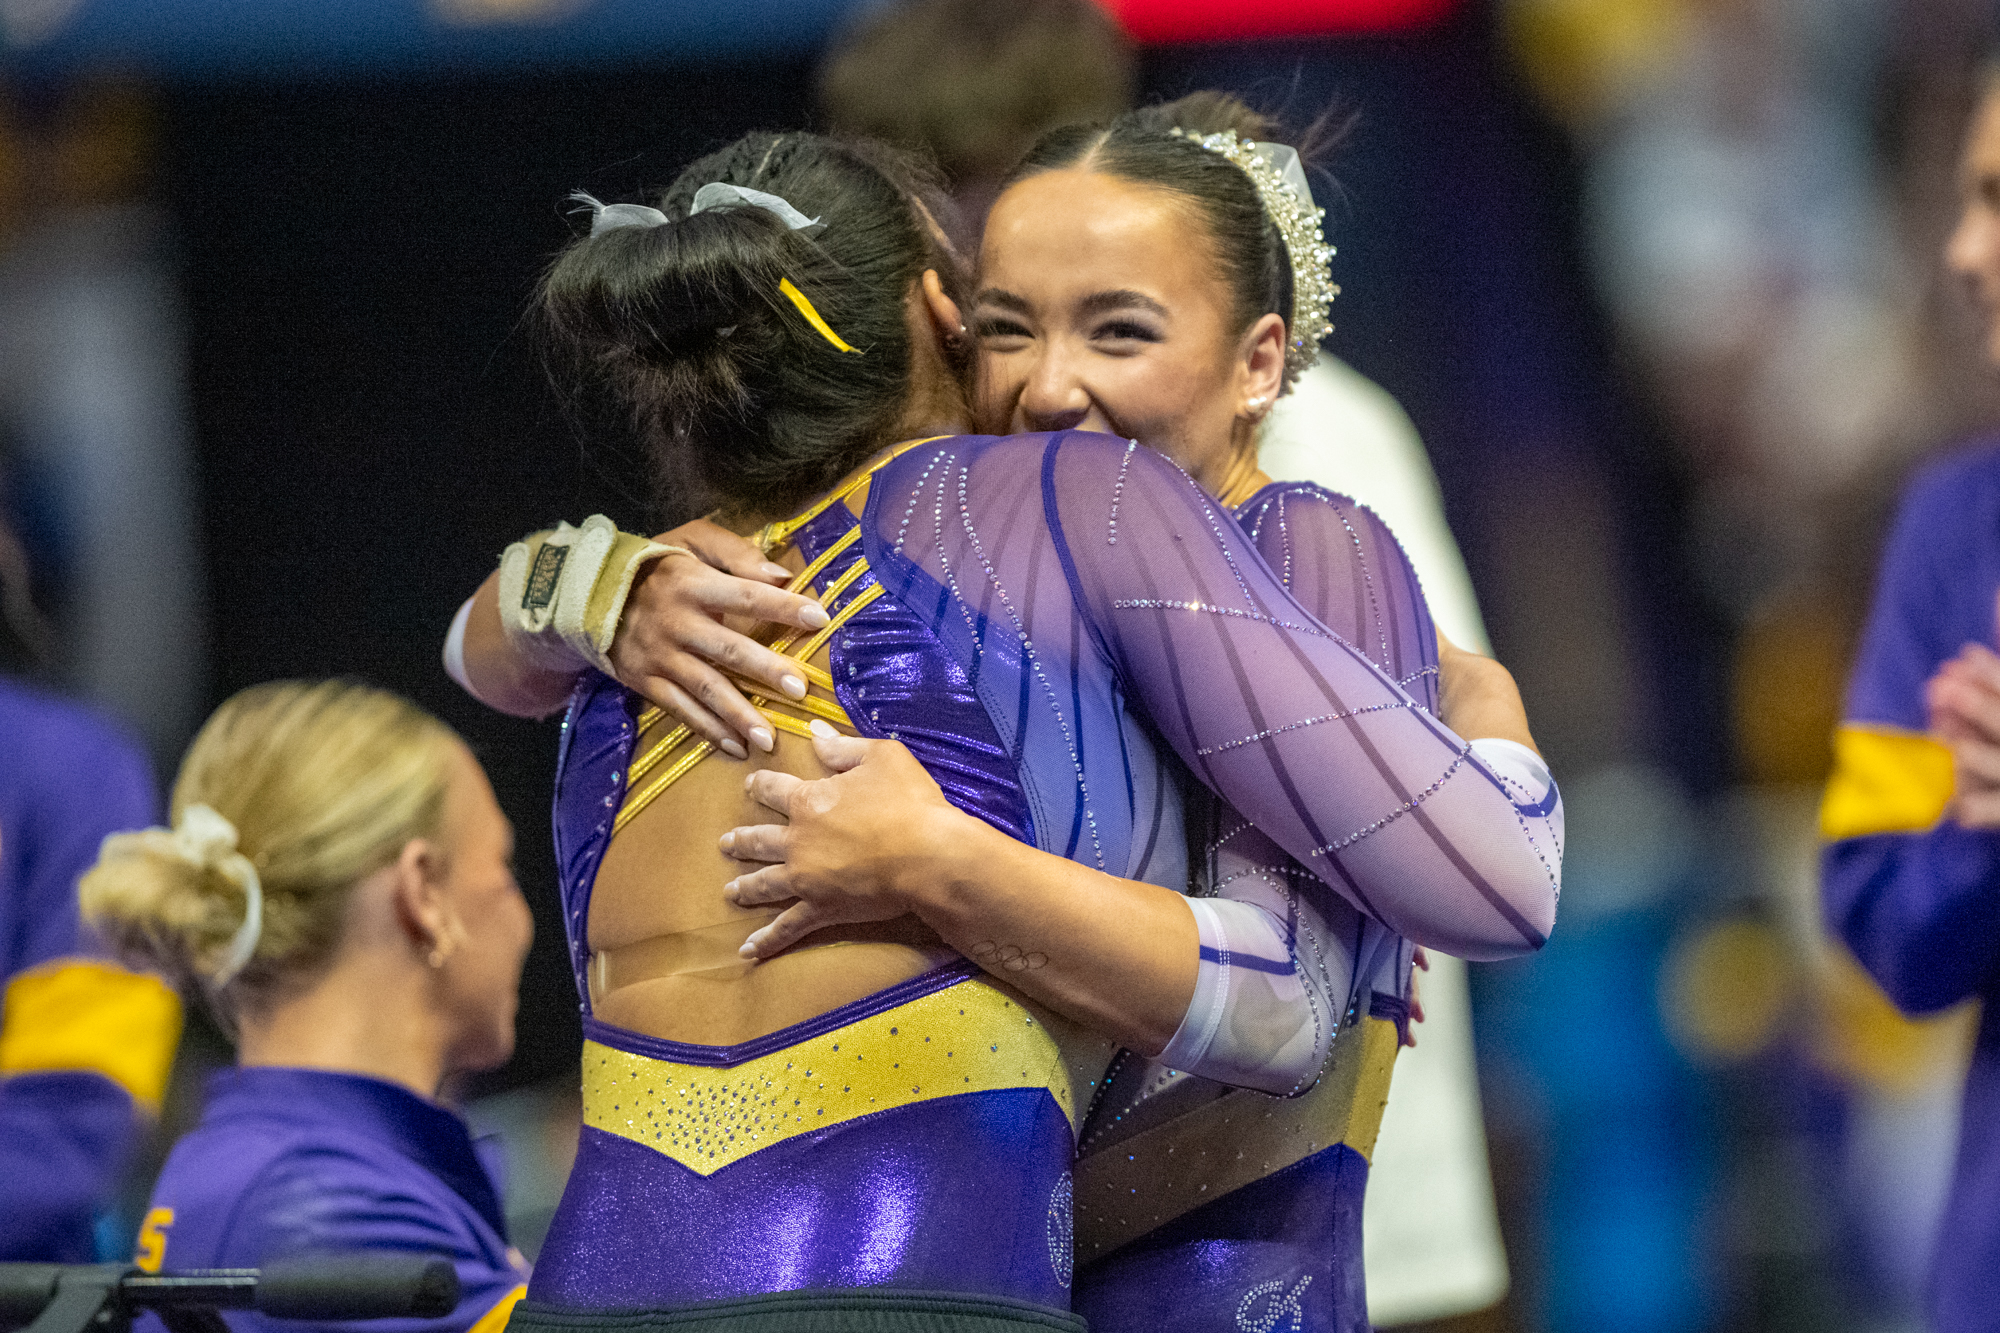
[{"x": 1071, "y": 628}]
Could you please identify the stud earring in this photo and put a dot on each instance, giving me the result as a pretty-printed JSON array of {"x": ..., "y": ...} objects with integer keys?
[{"x": 1254, "y": 408}]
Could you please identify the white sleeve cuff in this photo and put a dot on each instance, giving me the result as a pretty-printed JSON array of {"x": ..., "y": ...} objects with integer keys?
[
  {"x": 1526, "y": 779},
  {"x": 1251, "y": 1022},
  {"x": 454, "y": 654}
]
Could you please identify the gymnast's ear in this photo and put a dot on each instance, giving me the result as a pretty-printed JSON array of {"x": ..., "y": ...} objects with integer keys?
[{"x": 945, "y": 314}]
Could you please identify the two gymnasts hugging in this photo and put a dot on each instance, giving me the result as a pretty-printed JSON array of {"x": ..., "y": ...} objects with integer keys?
[{"x": 959, "y": 833}]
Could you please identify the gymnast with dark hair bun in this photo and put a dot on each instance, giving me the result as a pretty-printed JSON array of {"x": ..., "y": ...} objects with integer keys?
[{"x": 856, "y": 1095}]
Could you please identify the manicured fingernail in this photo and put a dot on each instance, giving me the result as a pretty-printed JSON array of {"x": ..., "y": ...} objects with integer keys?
[
  {"x": 792, "y": 686},
  {"x": 763, "y": 738},
  {"x": 777, "y": 571},
  {"x": 726, "y": 841},
  {"x": 813, "y": 616},
  {"x": 824, "y": 730},
  {"x": 734, "y": 749}
]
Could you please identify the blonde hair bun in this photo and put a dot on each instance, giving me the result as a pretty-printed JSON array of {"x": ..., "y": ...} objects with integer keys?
[{"x": 292, "y": 793}]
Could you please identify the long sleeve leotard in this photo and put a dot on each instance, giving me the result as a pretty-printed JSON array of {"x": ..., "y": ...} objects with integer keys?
[
  {"x": 1086, "y": 580},
  {"x": 1067, "y": 633}
]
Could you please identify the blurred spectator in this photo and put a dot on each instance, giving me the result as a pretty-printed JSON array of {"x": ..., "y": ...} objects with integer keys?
[
  {"x": 1912, "y": 866},
  {"x": 92, "y": 404},
  {"x": 85, "y": 1045},
  {"x": 1760, "y": 209},
  {"x": 976, "y": 82}
]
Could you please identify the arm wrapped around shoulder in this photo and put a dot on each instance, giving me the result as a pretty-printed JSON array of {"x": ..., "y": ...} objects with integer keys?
[{"x": 562, "y": 592}]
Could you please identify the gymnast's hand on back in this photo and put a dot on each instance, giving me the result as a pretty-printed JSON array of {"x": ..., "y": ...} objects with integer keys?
[
  {"x": 853, "y": 847},
  {"x": 686, "y": 627}
]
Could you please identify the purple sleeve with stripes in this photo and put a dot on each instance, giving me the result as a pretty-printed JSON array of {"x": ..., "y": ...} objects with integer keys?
[
  {"x": 1285, "y": 961},
  {"x": 1088, "y": 580}
]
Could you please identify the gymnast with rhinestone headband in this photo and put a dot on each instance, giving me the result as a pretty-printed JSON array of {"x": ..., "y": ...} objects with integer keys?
[{"x": 1062, "y": 629}]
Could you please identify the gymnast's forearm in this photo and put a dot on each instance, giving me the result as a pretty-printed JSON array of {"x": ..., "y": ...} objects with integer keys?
[
  {"x": 1477, "y": 697},
  {"x": 489, "y": 667},
  {"x": 1118, "y": 956}
]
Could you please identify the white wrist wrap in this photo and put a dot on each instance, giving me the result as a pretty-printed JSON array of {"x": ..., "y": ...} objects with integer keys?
[{"x": 562, "y": 592}]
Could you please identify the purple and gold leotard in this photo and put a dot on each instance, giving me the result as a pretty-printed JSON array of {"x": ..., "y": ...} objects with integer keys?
[{"x": 1067, "y": 633}]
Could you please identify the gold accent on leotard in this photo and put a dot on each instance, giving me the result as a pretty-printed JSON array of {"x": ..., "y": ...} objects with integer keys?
[
  {"x": 773, "y": 536},
  {"x": 803, "y": 580},
  {"x": 1138, "y": 1184},
  {"x": 638, "y": 799},
  {"x": 969, "y": 1037}
]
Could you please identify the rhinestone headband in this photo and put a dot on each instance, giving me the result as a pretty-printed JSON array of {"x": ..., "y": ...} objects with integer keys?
[{"x": 1290, "y": 207}]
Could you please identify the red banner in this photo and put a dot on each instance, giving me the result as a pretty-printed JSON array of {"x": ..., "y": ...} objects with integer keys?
[{"x": 1227, "y": 20}]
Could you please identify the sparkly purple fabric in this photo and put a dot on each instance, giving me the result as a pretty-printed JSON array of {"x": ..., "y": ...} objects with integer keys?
[
  {"x": 1281, "y": 1255},
  {"x": 895, "y": 680},
  {"x": 1292, "y": 1242},
  {"x": 1095, "y": 585},
  {"x": 1344, "y": 565},
  {"x": 960, "y": 1194},
  {"x": 1118, "y": 632}
]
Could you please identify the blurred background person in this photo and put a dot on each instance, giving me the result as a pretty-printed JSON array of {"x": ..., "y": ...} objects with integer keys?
[
  {"x": 1764, "y": 188},
  {"x": 337, "y": 887},
  {"x": 975, "y": 83},
  {"x": 1912, "y": 866},
  {"x": 85, "y": 1045}
]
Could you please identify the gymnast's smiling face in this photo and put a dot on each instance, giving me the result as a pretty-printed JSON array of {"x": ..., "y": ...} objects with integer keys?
[{"x": 1100, "y": 307}]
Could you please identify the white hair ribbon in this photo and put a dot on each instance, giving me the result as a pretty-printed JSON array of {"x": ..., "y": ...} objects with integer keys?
[
  {"x": 1284, "y": 160},
  {"x": 717, "y": 195},
  {"x": 609, "y": 217},
  {"x": 204, "y": 839}
]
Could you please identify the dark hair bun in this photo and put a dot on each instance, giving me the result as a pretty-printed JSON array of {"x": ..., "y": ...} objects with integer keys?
[
  {"x": 687, "y": 326},
  {"x": 655, "y": 293}
]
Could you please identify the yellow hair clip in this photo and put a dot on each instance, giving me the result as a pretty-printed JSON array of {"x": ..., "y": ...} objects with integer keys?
[{"x": 798, "y": 298}]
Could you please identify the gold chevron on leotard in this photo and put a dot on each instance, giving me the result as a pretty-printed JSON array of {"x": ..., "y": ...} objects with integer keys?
[
  {"x": 642, "y": 787},
  {"x": 969, "y": 1037}
]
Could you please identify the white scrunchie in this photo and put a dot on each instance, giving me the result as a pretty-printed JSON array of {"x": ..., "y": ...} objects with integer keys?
[{"x": 206, "y": 841}]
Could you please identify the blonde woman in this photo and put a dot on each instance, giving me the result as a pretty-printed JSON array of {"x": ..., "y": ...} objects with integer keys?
[{"x": 337, "y": 887}]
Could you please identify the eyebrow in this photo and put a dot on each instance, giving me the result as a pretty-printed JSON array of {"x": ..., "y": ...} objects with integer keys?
[
  {"x": 1096, "y": 303},
  {"x": 1005, "y": 300}
]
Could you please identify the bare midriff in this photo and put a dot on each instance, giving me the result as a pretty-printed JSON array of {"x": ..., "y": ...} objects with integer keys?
[{"x": 665, "y": 942}]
